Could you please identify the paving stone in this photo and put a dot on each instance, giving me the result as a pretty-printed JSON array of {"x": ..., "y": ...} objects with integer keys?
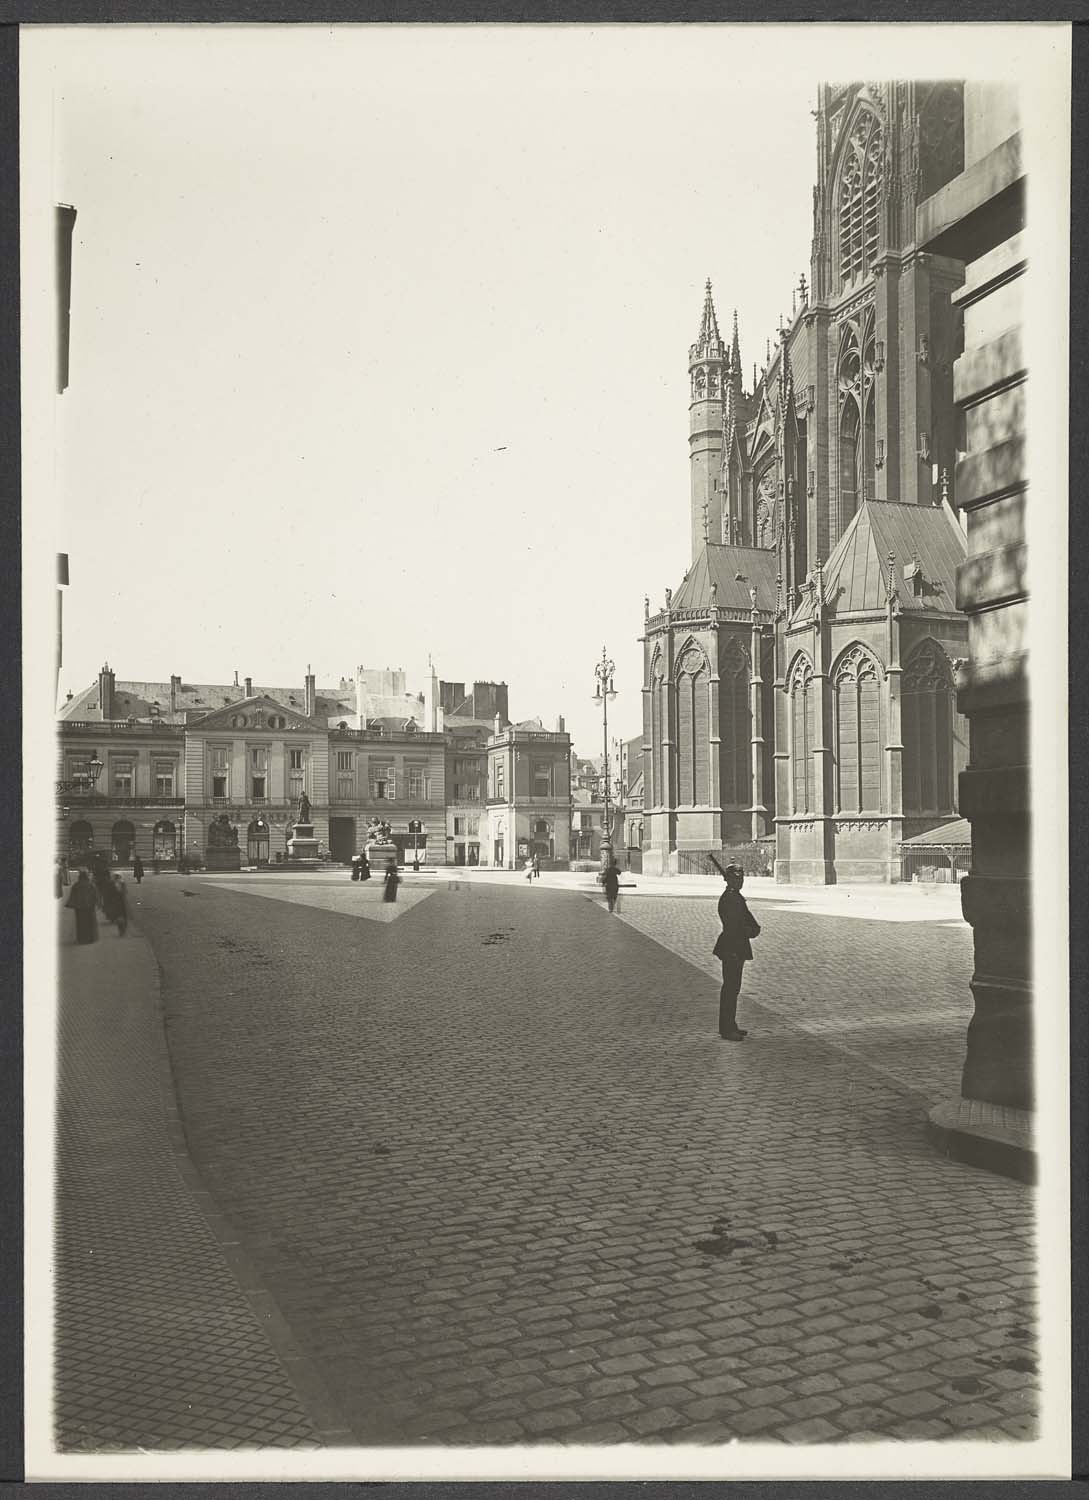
[{"x": 553, "y": 1163}]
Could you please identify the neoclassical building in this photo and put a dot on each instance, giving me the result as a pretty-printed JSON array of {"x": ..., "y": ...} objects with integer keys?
[{"x": 799, "y": 682}]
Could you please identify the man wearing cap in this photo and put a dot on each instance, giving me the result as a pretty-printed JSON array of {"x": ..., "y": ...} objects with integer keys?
[{"x": 733, "y": 949}]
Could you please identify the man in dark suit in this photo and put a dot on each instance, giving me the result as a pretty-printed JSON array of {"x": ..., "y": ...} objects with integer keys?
[{"x": 733, "y": 949}]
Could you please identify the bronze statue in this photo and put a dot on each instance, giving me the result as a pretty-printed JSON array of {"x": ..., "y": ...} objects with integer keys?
[{"x": 304, "y": 808}]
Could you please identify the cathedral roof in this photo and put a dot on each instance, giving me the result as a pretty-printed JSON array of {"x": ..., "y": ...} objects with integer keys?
[
  {"x": 857, "y": 572},
  {"x": 735, "y": 570},
  {"x": 151, "y": 701}
]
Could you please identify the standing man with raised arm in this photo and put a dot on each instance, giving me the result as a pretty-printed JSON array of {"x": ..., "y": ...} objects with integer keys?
[{"x": 733, "y": 949}]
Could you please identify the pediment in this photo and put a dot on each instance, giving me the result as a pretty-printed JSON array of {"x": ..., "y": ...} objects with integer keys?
[{"x": 259, "y": 713}]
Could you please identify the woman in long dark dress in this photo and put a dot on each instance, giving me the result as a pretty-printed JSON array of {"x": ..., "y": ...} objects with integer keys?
[
  {"x": 393, "y": 880},
  {"x": 137, "y": 868},
  {"x": 83, "y": 902}
]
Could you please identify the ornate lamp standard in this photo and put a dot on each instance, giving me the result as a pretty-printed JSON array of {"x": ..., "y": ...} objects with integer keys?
[{"x": 603, "y": 671}]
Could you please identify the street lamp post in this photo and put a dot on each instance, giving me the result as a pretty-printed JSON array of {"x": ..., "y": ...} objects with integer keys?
[{"x": 603, "y": 671}]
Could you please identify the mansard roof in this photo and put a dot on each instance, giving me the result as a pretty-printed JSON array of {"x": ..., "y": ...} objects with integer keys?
[
  {"x": 735, "y": 570},
  {"x": 857, "y": 572},
  {"x": 151, "y": 700}
]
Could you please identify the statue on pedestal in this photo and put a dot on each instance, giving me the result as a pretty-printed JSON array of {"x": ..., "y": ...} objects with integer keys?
[{"x": 304, "y": 809}]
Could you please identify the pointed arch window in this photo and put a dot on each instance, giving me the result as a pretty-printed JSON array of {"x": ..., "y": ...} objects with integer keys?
[
  {"x": 693, "y": 727},
  {"x": 657, "y": 716},
  {"x": 860, "y": 186},
  {"x": 927, "y": 718},
  {"x": 857, "y": 422},
  {"x": 735, "y": 726},
  {"x": 803, "y": 737},
  {"x": 857, "y": 741}
]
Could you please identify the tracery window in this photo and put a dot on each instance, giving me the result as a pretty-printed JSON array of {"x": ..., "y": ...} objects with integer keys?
[
  {"x": 693, "y": 727},
  {"x": 857, "y": 423},
  {"x": 857, "y": 733},
  {"x": 657, "y": 716},
  {"x": 802, "y": 736},
  {"x": 735, "y": 726},
  {"x": 927, "y": 722},
  {"x": 860, "y": 199}
]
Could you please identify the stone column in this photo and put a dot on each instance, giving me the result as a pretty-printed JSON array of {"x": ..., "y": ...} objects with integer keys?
[
  {"x": 756, "y": 706},
  {"x": 978, "y": 218},
  {"x": 714, "y": 749},
  {"x": 823, "y": 794},
  {"x": 894, "y": 746}
]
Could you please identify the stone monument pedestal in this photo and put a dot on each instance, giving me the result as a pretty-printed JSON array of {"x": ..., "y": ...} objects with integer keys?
[
  {"x": 380, "y": 857},
  {"x": 302, "y": 848},
  {"x": 223, "y": 859}
]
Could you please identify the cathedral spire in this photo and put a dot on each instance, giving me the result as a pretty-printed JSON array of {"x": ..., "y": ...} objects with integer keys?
[
  {"x": 709, "y": 344},
  {"x": 735, "y": 349}
]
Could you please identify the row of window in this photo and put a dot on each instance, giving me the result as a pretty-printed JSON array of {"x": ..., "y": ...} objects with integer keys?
[
  {"x": 121, "y": 774},
  {"x": 857, "y": 737}
]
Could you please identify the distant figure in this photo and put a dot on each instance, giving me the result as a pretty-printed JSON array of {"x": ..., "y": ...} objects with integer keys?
[
  {"x": 58, "y": 879},
  {"x": 392, "y": 881},
  {"x": 83, "y": 901},
  {"x": 733, "y": 949},
  {"x": 611, "y": 881},
  {"x": 156, "y": 865},
  {"x": 536, "y": 867},
  {"x": 529, "y": 869},
  {"x": 137, "y": 869},
  {"x": 120, "y": 905},
  {"x": 364, "y": 867},
  {"x": 356, "y": 860}
]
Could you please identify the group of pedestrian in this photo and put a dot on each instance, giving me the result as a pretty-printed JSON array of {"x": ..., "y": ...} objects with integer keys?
[
  {"x": 361, "y": 870},
  {"x": 97, "y": 890}
]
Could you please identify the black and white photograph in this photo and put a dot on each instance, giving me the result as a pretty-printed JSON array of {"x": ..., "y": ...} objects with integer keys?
[{"x": 545, "y": 672}]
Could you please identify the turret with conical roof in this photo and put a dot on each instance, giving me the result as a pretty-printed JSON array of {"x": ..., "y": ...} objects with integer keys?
[{"x": 707, "y": 366}]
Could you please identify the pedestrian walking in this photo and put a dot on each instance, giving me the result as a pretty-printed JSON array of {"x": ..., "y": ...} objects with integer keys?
[
  {"x": 84, "y": 902},
  {"x": 529, "y": 869},
  {"x": 733, "y": 950},
  {"x": 120, "y": 906},
  {"x": 364, "y": 867},
  {"x": 611, "y": 881},
  {"x": 137, "y": 869},
  {"x": 536, "y": 867},
  {"x": 392, "y": 881}
]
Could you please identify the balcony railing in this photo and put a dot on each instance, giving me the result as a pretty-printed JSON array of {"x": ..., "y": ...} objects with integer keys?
[{"x": 75, "y": 792}]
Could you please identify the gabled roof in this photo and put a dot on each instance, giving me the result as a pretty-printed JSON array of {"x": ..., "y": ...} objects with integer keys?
[
  {"x": 736, "y": 570},
  {"x": 856, "y": 574}
]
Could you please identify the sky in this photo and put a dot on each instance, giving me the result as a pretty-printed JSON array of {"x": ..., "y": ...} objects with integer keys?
[
  {"x": 379, "y": 344},
  {"x": 379, "y": 338}
]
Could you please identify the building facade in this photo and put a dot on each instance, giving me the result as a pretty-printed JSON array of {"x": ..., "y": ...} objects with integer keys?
[
  {"x": 529, "y": 795},
  {"x": 979, "y": 217},
  {"x": 799, "y": 682},
  {"x": 147, "y": 767}
]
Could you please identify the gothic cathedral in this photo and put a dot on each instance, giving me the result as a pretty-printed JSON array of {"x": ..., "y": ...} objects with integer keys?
[{"x": 799, "y": 683}]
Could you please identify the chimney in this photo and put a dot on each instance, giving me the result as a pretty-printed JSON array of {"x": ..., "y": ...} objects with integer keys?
[
  {"x": 236, "y": 677},
  {"x": 560, "y": 729},
  {"x": 249, "y": 687},
  {"x": 310, "y": 696},
  {"x": 175, "y": 689},
  {"x": 105, "y": 691},
  {"x": 498, "y": 725}
]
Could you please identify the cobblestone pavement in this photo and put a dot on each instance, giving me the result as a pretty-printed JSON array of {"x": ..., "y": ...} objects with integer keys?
[
  {"x": 506, "y": 1185},
  {"x": 863, "y": 986},
  {"x": 156, "y": 1345}
]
